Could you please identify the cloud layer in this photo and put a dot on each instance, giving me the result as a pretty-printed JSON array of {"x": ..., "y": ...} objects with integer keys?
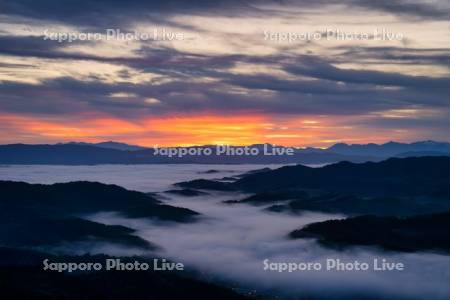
[{"x": 225, "y": 66}]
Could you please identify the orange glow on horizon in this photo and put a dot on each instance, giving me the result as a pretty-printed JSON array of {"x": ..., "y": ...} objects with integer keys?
[{"x": 186, "y": 130}]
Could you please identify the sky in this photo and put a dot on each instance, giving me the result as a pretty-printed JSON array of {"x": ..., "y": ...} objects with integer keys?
[{"x": 294, "y": 73}]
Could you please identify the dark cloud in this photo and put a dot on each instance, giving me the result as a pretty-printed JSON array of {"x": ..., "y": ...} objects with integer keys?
[
  {"x": 330, "y": 93},
  {"x": 317, "y": 68},
  {"x": 398, "y": 55},
  {"x": 318, "y": 87},
  {"x": 114, "y": 13},
  {"x": 160, "y": 60},
  {"x": 107, "y": 13},
  {"x": 33, "y": 46},
  {"x": 423, "y": 9}
]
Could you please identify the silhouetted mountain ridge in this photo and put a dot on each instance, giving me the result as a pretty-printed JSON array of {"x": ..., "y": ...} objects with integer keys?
[
  {"x": 397, "y": 186},
  {"x": 22, "y": 277},
  {"x": 50, "y": 215},
  {"x": 110, "y": 145},
  {"x": 393, "y": 177},
  {"x": 427, "y": 232},
  {"x": 79, "y": 153},
  {"x": 390, "y": 149}
]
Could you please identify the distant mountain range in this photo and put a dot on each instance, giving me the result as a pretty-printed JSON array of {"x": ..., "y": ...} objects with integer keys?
[
  {"x": 393, "y": 149},
  {"x": 109, "y": 145},
  {"x": 79, "y": 153}
]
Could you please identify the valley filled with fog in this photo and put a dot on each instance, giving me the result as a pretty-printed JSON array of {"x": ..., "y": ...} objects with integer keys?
[{"x": 229, "y": 243}]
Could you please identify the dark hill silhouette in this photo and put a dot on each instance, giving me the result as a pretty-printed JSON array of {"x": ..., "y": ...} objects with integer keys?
[
  {"x": 32, "y": 231},
  {"x": 396, "y": 186},
  {"x": 354, "y": 205},
  {"x": 392, "y": 177},
  {"x": 428, "y": 232},
  {"x": 49, "y": 215},
  {"x": 22, "y": 277},
  {"x": 75, "y": 198}
]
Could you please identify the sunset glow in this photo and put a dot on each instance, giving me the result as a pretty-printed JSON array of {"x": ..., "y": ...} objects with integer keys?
[
  {"x": 189, "y": 130},
  {"x": 225, "y": 76}
]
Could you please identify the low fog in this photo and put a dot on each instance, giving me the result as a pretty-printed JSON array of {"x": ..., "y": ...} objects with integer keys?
[{"x": 230, "y": 242}]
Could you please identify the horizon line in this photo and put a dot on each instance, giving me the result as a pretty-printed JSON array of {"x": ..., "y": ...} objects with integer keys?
[{"x": 80, "y": 143}]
